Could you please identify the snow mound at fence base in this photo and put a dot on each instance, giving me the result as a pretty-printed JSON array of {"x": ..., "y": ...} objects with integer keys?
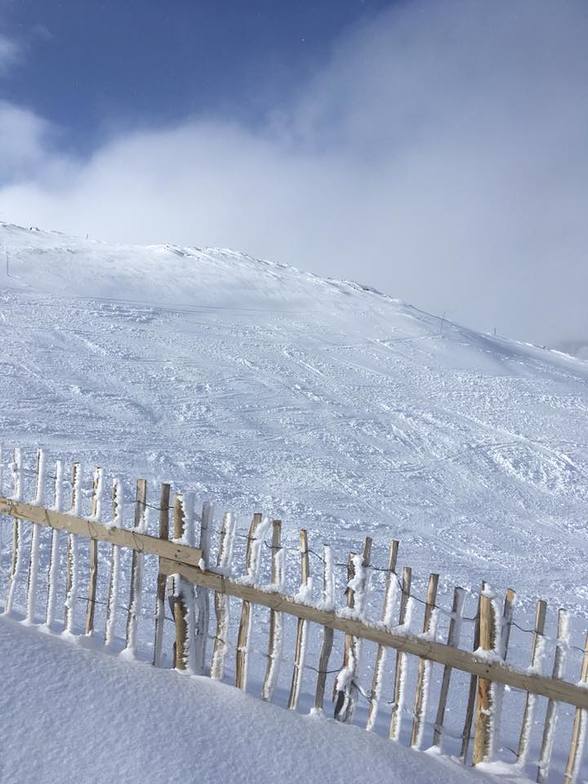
[
  {"x": 80, "y": 715},
  {"x": 320, "y": 402}
]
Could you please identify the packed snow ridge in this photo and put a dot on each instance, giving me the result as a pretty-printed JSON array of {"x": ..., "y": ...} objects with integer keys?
[{"x": 322, "y": 402}]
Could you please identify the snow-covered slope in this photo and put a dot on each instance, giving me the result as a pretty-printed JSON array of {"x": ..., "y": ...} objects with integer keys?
[{"x": 329, "y": 405}]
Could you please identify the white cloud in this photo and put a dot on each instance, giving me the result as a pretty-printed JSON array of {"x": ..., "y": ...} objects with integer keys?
[
  {"x": 10, "y": 53},
  {"x": 441, "y": 155}
]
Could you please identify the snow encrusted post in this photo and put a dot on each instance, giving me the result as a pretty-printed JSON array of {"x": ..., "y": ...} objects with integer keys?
[
  {"x": 183, "y": 592},
  {"x": 486, "y": 708},
  {"x": 404, "y": 619},
  {"x": 390, "y": 602},
  {"x": 559, "y": 660},
  {"x": 345, "y": 690},
  {"x": 35, "y": 537},
  {"x": 202, "y": 593},
  {"x": 425, "y": 666},
  {"x": 275, "y": 621},
  {"x": 71, "y": 586},
  {"x": 469, "y": 718},
  {"x": 578, "y": 730},
  {"x": 16, "y": 469},
  {"x": 137, "y": 560},
  {"x": 305, "y": 596},
  {"x": 254, "y": 541},
  {"x": 537, "y": 649},
  {"x": 53, "y": 568},
  {"x": 164, "y": 497},
  {"x": 453, "y": 637},
  {"x": 113, "y": 580},
  {"x": 221, "y": 600},
  {"x": 17, "y": 475},
  {"x": 95, "y": 514},
  {"x": 328, "y": 604}
]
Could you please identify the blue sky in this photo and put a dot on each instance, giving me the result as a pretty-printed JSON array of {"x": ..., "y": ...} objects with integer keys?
[
  {"x": 93, "y": 67},
  {"x": 434, "y": 149}
]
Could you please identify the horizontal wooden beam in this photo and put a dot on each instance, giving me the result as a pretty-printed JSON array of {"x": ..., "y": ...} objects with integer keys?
[
  {"x": 123, "y": 537},
  {"x": 552, "y": 688}
]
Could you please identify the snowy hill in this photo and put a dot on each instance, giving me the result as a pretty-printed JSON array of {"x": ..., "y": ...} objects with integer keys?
[{"x": 327, "y": 404}]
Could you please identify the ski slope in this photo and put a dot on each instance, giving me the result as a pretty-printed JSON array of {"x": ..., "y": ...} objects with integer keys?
[{"x": 321, "y": 402}]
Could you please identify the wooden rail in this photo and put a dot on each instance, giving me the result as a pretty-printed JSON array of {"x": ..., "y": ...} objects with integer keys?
[
  {"x": 481, "y": 666},
  {"x": 123, "y": 537}
]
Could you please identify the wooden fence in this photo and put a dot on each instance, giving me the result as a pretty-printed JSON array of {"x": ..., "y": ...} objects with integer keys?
[{"x": 187, "y": 580}]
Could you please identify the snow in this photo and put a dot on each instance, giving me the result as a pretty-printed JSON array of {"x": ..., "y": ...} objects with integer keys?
[
  {"x": 318, "y": 402},
  {"x": 173, "y": 728}
]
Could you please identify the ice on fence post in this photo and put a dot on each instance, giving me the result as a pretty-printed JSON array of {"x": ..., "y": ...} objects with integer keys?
[
  {"x": 404, "y": 618},
  {"x": 137, "y": 561},
  {"x": 71, "y": 583},
  {"x": 41, "y": 471},
  {"x": 221, "y": 600},
  {"x": 16, "y": 470},
  {"x": 537, "y": 650},
  {"x": 453, "y": 638},
  {"x": 114, "y": 576},
  {"x": 357, "y": 586},
  {"x": 183, "y": 593},
  {"x": 53, "y": 567},
  {"x": 95, "y": 515},
  {"x": 304, "y": 595},
  {"x": 97, "y": 490},
  {"x": 424, "y": 668},
  {"x": 275, "y": 621},
  {"x": 202, "y": 595},
  {"x": 32, "y": 583},
  {"x": 251, "y": 565},
  {"x": 390, "y": 603},
  {"x": 164, "y": 497},
  {"x": 328, "y": 604},
  {"x": 550, "y": 722}
]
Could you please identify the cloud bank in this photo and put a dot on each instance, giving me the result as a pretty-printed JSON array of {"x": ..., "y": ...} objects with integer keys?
[{"x": 441, "y": 154}]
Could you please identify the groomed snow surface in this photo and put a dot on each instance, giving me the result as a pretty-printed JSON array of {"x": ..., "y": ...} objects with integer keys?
[{"x": 73, "y": 715}]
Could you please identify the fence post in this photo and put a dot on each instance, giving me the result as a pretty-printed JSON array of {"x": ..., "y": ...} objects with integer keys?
[
  {"x": 16, "y": 532},
  {"x": 35, "y": 537},
  {"x": 164, "y": 496},
  {"x": 245, "y": 622},
  {"x": 486, "y": 703},
  {"x": 202, "y": 595},
  {"x": 113, "y": 579},
  {"x": 390, "y": 599},
  {"x": 467, "y": 727},
  {"x": 400, "y": 665},
  {"x": 221, "y": 600},
  {"x": 71, "y": 586},
  {"x": 559, "y": 659},
  {"x": 530, "y": 699},
  {"x": 95, "y": 514},
  {"x": 275, "y": 620},
  {"x": 424, "y": 670},
  {"x": 137, "y": 560},
  {"x": 328, "y": 603},
  {"x": 357, "y": 586},
  {"x": 53, "y": 566},
  {"x": 453, "y": 637},
  {"x": 183, "y": 600},
  {"x": 578, "y": 729},
  {"x": 302, "y": 625}
]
